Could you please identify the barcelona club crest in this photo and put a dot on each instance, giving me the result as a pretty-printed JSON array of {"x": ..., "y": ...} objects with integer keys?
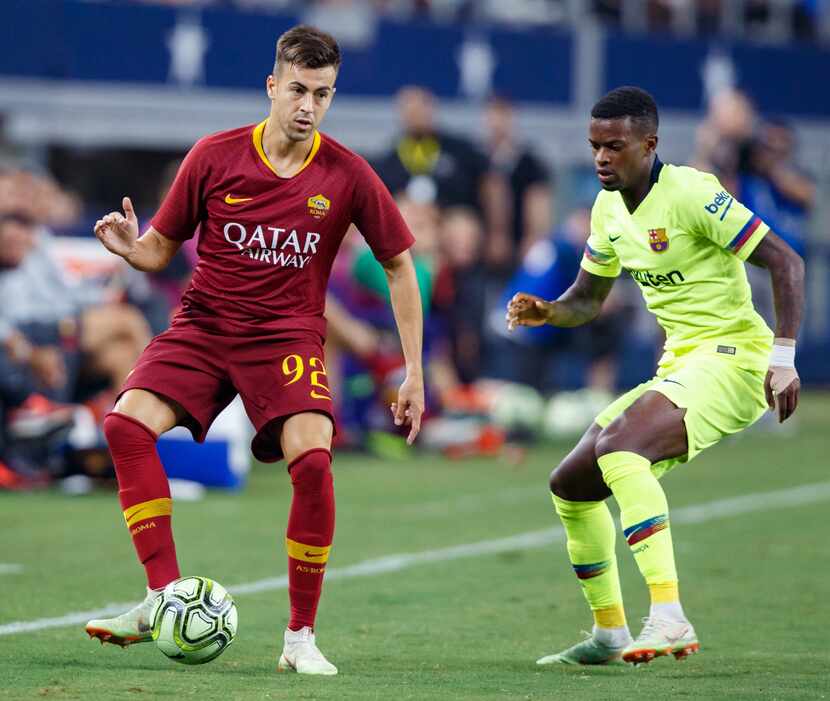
[
  {"x": 318, "y": 206},
  {"x": 658, "y": 240}
]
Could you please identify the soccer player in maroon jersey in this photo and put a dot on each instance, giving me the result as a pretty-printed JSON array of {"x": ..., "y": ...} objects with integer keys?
[{"x": 272, "y": 202}]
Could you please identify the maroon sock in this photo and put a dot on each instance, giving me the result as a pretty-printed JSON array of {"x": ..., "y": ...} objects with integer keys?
[
  {"x": 310, "y": 532},
  {"x": 145, "y": 496}
]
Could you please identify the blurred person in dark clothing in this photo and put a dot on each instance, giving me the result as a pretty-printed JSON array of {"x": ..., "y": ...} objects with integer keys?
[
  {"x": 460, "y": 290},
  {"x": 774, "y": 187},
  {"x": 528, "y": 178},
  {"x": 723, "y": 135},
  {"x": 547, "y": 270},
  {"x": 428, "y": 164}
]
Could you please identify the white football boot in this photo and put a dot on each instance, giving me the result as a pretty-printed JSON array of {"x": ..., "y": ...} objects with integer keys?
[
  {"x": 300, "y": 654},
  {"x": 591, "y": 651},
  {"x": 128, "y": 628},
  {"x": 662, "y": 636}
]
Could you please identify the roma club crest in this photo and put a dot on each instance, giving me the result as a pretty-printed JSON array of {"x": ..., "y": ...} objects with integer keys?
[
  {"x": 318, "y": 206},
  {"x": 658, "y": 240}
]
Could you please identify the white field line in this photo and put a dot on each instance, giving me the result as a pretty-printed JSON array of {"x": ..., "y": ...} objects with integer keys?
[
  {"x": 700, "y": 513},
  {"x": 10, "y": 568}
]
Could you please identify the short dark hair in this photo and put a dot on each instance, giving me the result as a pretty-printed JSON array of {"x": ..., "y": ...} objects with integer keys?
[
  {"x": 307, "y": 47},
  {"x": 628, "y": 101}
]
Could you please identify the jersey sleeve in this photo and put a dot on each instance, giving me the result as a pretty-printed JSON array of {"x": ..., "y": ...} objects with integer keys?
[
  {"x": 183, "y": 207},
  {"x": 599, "y": 257},
  {"x": 708, "y": 209},
  {"x": 376, "y": 215}
]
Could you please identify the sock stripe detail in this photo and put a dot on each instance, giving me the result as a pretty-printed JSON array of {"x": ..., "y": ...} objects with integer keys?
[
  {"x": 318, "y": 554},
  {"x": 592, "y": 570},
  {"x": 148, "y": 509},
  {"x": 640, "y": 531}
]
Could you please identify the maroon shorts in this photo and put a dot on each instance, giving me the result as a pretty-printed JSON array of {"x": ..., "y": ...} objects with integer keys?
[{"x": 277, "y": 374}]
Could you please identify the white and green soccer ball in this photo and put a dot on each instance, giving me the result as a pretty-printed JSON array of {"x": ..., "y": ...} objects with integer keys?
[{"x": 193, "y": 620}]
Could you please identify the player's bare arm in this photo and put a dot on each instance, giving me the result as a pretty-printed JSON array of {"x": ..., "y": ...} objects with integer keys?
[
  {"x": 118, "y": 232},
  {"x": 578, "y": 305},
  {"x": 786, "y": 269},
  {"x": 406, "y": 305}
]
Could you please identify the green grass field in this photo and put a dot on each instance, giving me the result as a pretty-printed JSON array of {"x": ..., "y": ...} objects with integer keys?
[{"x": 456, "y": 625}]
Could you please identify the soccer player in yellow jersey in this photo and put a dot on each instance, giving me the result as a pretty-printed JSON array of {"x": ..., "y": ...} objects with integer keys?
[{"x": 684, "y": 239}]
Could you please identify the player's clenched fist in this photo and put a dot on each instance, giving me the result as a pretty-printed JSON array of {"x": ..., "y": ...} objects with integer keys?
[
  {"x": 527, "y": 310},
  {"x": 118, "y": 232}
]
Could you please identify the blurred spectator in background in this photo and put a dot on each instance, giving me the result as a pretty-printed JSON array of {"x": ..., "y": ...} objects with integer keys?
[
  {"x": 529, "y": 180},
  {"x": 428, "y": 164},
  {"x": 460, "y": 293},
  {"x": 549, "y": 358},
  {"x": 754, "y": 159},
  {"x": 63, "y": 329},
  {"x": 723, "y": 135},
  {"x": 363, "y": 354},
  {"x": 773, "y": 187}
]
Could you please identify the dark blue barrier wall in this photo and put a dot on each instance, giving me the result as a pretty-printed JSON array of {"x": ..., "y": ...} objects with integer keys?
[
  {"x": 781, "y": 80},
  {"x": 62, "y": 39}
]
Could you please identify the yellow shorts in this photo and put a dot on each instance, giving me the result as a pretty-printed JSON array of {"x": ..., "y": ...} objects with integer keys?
[{"x": 719, "y": 397}]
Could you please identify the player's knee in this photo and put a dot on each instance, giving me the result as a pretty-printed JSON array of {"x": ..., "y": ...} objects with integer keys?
[
  {"x": 122, "y": 431},
  {"x": 311, "y": 470},
  {"x": 560, "y": 481},
  {"x": 609, "y": 440}
]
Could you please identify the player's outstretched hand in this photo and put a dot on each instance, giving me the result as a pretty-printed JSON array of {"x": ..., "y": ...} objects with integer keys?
[
  {"x": 527, "y": 310},
  {"x": 118, "y": 232},
  {"x": 781, "y": 387},
  {"x": 410, "y": 406}
]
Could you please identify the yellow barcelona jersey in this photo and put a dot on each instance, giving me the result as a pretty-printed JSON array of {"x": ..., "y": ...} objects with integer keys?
[{"x": 685, "y": 245}]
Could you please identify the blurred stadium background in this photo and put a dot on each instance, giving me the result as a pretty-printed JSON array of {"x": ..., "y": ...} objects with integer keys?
[{"x": 473, "y": 112}]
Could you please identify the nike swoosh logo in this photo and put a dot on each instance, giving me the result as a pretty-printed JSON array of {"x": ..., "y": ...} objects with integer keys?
[
  {"x": 308, "y": 554},
  {"x": 614, "y": 238},
  {"x": 230, "y": 199},
  {"x": 675, "y": 382}
]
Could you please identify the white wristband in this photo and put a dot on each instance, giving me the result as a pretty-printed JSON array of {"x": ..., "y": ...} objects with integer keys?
[{"x": 782, "y": 356}]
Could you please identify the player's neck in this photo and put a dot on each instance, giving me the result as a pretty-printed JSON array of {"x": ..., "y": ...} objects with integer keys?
[
  {"x": 634, "y": 196},
  {"x": 286, "y": 155}
]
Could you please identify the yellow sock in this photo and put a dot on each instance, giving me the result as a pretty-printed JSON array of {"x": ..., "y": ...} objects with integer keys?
[
  {"x": 591, "y": 535},
  {"x": 644, "y": 514},
  {"x": 664, "y": 592},
  {"x": 610, "y": 617}
]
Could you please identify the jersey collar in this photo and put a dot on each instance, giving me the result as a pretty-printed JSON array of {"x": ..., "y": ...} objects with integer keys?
[
  {"x": 656, "y": 167},
  {"x": 258, "y": 132}
]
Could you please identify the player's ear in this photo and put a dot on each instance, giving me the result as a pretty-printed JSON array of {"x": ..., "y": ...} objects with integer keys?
[{"x": 651, "y": 142}]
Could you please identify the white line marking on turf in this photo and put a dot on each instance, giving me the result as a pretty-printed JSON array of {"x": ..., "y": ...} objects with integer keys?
[
  {"x": 700, "y": 513},
  {"x": 10, "y": 568}
]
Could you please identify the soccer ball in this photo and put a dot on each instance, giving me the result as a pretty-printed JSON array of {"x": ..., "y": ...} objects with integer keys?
[{"x": 193, "y": 620}]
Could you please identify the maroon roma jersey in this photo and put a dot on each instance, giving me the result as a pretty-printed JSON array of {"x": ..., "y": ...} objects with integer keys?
[{"x": 267, "y": 243}]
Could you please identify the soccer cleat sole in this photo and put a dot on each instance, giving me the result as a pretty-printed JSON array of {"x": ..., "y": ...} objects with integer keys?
[
  {"x": 646, "y": 655},
  {"x": 105, "y": 636},
  {"x": 285, "y": 666}
]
